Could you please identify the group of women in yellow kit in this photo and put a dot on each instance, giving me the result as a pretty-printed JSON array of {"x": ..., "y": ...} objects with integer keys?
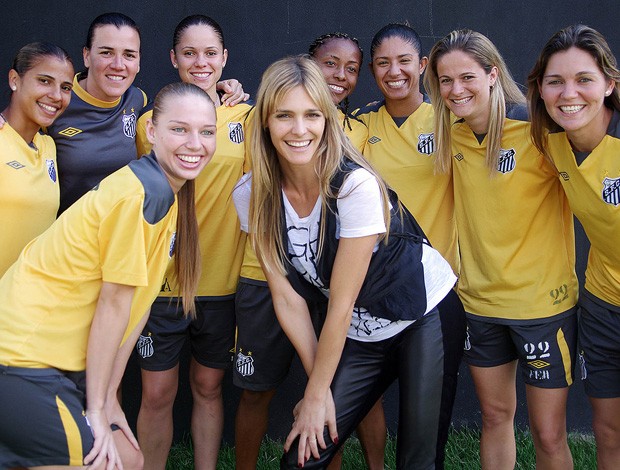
[{"x": 468, "y": 162}]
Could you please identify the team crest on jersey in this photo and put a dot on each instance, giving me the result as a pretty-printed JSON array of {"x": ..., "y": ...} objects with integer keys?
[
  {"x": 172, "y": 244},
  {"x": 611, "y": 191},
  {"x": 129, "y": 125},
  {"x": 144, "y": 346},
  {"x": 245, "y": 364},
  {"x": 51, "y": 169},
  {"x": 506, "y": 162},
  {"x": 235, "y": 132},
  {"x": 426, "y": 143}
]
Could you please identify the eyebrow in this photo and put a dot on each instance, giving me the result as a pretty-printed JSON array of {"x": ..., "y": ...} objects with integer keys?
[
  {"x": 400, "y": 56},
  {"x": 108, "y": 48}
]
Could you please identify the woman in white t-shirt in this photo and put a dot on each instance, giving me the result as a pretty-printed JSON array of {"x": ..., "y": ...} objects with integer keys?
[{"x": 325, "y": 225}]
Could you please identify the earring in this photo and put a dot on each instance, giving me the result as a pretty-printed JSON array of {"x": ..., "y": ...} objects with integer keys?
[
  {"x": 176, "y": 66},
  {"x": 608, "y": 92},
  {"x": 13, "y": 87}
]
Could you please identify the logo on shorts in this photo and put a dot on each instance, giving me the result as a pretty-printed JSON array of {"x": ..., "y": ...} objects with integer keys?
[
  {"x": 51, "y": 170},
  {"x": 506, "y": 162},
  {"x": 611, "y": 191},
  {"x": 535, "y": 356},
  {"x": 426, "y": 143},
  {"x": 582, "y": 366},
  {"x": 129, "y": 125},
  {"x": 235, "y": 132},
  {"x": 144, "y": 346},
  {"x": 467, "y": 346},
  {"x": 245, "y": 364}
]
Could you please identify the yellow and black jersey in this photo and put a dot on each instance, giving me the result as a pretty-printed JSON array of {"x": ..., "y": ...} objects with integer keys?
[
  {"x": 401, "y": 149},
  {"x": 515, "y": 228},
  {"x": 221, "y": 239},
  {"x": 121, "y": 232},
  {"x": 593, "y": 191},
  {"x": 28, "y": 190},
  {"x": 94, "y": 138}
]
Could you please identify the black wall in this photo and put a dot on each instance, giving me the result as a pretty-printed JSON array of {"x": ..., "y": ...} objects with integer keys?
[{"x": 259, "y": 32}]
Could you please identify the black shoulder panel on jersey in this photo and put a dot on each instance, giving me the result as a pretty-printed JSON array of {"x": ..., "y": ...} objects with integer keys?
[
  {"x": 517, "y": 112},
  {"x": 146, "y": 109},
  {"x": 370, "y": 107},
  {"x": 614, "y": 125},
  {"x": 158, "y": 195}
]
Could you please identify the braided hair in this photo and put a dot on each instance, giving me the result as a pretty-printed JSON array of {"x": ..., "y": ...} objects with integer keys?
[{"x": 321, "y": 41}]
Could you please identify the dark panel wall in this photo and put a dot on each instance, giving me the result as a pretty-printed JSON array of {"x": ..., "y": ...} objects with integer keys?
[{"x": 259, "y": 32}]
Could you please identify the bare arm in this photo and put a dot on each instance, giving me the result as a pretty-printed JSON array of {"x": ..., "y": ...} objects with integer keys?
[
  {"x": 350, "y": 268},
  {"x": 106, "y": 332}
]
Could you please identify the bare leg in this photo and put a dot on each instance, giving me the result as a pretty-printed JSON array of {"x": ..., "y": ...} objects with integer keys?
[
  {"x": 496, "y": 390},
  {"x": 207, "y": 414},
  {"x": 372, "y": 432},
  {"x": 250, "y": 427},
  {"x": 155, "y": 425},
  {"x": 606, "y": 424},
  {"x": 547, "y": 414}
]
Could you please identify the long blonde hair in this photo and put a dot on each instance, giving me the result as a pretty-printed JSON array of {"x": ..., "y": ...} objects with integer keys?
[
  {"x": 505, "y": 90},
  {"x": 265, "y": 216},
  {"x": 187, "y": 259}
]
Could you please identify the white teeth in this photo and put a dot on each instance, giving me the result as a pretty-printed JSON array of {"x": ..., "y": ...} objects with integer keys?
[
  {"x": 461, "y": 101},
  {"x": 396, "y": 84},
  {"x": 201, "y": 75},
  {"x": 115, "y": 78},
  {"x": 48, "y": 108},
  {"x": 303, "y": 143},
  {"x": 572, "y": 109},
  {"x": 336, "y": 88},
  {"x": 189, "y": 158}
]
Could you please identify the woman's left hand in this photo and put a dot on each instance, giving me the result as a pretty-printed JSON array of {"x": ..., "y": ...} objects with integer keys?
[
  {"x": 311, "y": 416},
  {"x": 232, "y": 92}
]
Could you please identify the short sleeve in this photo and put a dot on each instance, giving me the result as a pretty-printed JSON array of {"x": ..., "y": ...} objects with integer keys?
[
  {"x": 360, "y": 206},
  {"x": 121, "y": 243}
]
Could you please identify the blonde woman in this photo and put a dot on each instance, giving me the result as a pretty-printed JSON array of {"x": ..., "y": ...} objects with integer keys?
[{"x": 324, "y": 225}]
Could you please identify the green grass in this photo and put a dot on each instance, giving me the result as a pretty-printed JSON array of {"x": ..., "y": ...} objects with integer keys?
[{"x": 461, "y": 453}]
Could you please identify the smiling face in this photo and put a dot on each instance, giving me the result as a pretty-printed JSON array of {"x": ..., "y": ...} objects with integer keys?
[
  {"x": 339, "y": 60},
  {"x": 466, "y": 88},
  {"x": 296, "y": 128},
  {"x": 200, "y": 58},
  {"x": 113, "y": 61},
  {"x": 574, "y": 88},
  {"x": 396, "y": 66},
  {"x": 40, "y": 95},
  {"x": 183, "y": 137}
]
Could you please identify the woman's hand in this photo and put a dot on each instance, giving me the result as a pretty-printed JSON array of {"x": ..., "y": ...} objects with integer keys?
[
  {"x": 232, "y": 92},
  {"x": 117, "y": 417},
  {"x": 104, "y": 448},
  {"x": 311, "y": 416}
]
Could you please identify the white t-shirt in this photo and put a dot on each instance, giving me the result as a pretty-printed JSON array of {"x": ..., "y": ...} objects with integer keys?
[{"x": 360, "y": 213}]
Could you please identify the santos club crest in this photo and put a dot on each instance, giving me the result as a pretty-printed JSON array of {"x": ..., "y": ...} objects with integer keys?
[
  {"x": 245, "y": 364},
  {"x": 506, "y": 162},
  {"x": 611, "y": 191},
  {"x": 51, "y": 170},
  {"x": 129, "y": 125}
]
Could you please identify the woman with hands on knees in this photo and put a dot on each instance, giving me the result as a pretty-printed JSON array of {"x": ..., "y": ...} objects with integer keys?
[
  {"x": 575, "y": 105},
  {"x": 40, "y": 81},
  {"x": 324, "y": 225},
  {"x": 74, "y": 303}
]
